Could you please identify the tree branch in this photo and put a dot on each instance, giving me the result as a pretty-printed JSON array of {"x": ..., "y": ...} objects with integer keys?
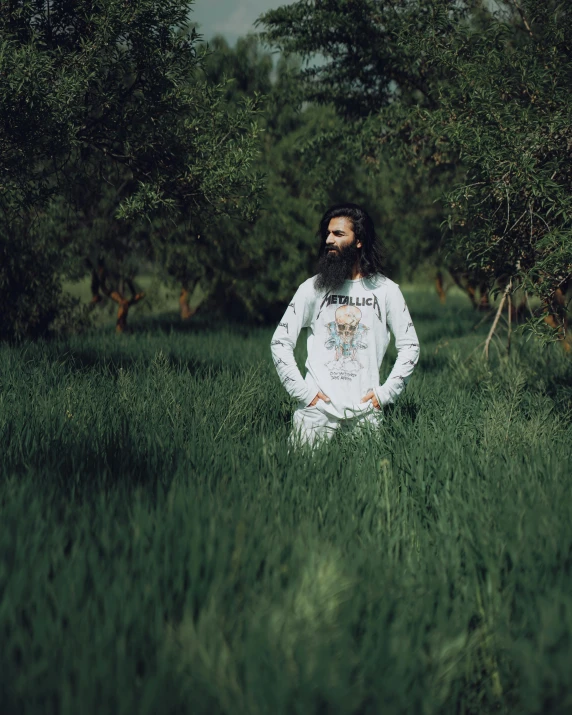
[
  {"x": 496, "y": 320},
  {"x": 522, "y": 16}
]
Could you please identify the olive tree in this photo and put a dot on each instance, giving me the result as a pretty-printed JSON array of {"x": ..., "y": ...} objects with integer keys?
[
  {"x": 473, "y": 94},
  {"x": 102, "y": 103}
]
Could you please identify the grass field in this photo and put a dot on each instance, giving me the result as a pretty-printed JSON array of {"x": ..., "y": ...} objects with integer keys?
[{"x": 161, "y": 551}]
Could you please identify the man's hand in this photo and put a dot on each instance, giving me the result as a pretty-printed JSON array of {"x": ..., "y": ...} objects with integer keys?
[
  {"x": 371, "y": 396},
  {"x": 319, "y": 396}
]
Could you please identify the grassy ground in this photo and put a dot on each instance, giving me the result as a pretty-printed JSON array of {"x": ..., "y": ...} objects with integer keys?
[{"x": 162, "y": 552}]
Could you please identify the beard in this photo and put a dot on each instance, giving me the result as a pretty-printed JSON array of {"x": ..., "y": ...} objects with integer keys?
[{"x": 335, "y": 267}]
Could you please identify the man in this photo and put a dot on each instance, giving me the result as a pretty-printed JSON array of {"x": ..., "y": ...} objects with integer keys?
[{"x": 349, "y": 308}]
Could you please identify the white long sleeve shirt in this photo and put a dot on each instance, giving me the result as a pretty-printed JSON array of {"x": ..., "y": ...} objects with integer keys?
[{"x": 348, "y": 337}]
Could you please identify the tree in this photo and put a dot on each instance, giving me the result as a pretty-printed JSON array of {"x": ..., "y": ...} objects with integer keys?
[
  {"x": 508, "y": 117},
  {"x": 250, "y": 269},
  {"x": 374, "y": 80},
  {"x": 108, "y": 93},
  {"x": 475, "y": 95},
  {"x": 206, "y": 262}
]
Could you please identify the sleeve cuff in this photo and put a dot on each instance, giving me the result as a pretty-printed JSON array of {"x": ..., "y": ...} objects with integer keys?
[
  {"x": 309, "y": 397},
  {"x": 383, "y": 395}
]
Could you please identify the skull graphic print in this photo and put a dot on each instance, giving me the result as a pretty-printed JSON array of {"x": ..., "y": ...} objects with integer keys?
[{"x": 346, "y": 335}]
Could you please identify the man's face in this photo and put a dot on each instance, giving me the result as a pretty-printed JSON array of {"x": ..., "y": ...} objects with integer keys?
[
  {"x": 340, "y": 236},
  {"x": 338, "y": 255}
]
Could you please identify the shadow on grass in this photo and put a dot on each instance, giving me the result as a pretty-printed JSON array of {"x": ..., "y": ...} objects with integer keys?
[
  {"x": 112, "y": 364},
  {"x": 83, "y": 468},
  {"x": 406, "y": 410},
  {"x": 108, "y": 354},
  {"x": 202, "y": 322}
]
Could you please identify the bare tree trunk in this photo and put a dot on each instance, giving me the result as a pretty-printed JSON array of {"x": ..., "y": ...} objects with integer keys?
[
  {"x": 519, "y": 309},
  {"x": 186, "y": 310},
  {"x": 484, "y": 300},
  {"x": 466, "y": 287},
  {"x": 95, "y": 286},
  {"x": 123, "y": 310},
  {"x": 558, "y": 319},
  {"x": 496, "y": 320},
  {"x": 439, "y": 286},
  {"x": 99, "y": 283}
]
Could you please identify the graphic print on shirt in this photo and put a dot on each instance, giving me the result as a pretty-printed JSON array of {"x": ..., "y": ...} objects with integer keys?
[
  {"x": 346, "y": 335},
  {"x": 371, "y": 301}
]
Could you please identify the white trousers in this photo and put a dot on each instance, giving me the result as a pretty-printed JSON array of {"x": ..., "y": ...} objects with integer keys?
[{"x": 311, "y": 424}]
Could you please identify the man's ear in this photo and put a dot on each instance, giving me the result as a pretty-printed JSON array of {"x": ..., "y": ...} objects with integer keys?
[{"x": 358, "y": 244}]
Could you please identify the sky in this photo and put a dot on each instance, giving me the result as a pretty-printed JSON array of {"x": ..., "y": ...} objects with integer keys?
[{"x": 231, "y": 18}]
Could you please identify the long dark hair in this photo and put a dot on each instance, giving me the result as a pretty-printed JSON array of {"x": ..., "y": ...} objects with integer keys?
[{"x": 371, "y": 257}]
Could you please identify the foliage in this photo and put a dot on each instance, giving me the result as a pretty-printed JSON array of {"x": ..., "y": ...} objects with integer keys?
[
  {"x": 253, "y": 269},
  {"x": 250, "y": 269},
  {"x": 94, "y": 96},
  {"x": 266, "y": 261},
  {"x": 164, "y": 550},
  {"x": 32, "y": 302},
  {"x": 375, "y": 78},
  {"x": 477, "y": 96},
  {"x": 508, "y": 116},
  {"x": 124, "y": 93}
]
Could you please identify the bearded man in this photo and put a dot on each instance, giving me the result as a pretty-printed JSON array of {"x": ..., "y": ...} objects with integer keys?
[{"x": 349, "y": 308}]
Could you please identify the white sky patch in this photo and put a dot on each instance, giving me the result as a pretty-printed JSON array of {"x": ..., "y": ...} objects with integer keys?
[
  {"x": 231, "y": 18},
  {"x": 239, "y": 22}
]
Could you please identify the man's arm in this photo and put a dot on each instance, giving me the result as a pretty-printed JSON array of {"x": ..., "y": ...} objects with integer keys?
[
  {"x": 296, "y": 317},
  {"x": 407, "y": 345}
]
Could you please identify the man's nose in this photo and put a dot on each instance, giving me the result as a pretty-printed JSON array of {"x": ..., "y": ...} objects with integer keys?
[{"x": 330, "y": 239}]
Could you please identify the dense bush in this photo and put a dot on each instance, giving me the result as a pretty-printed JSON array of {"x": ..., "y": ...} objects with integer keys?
[{"x": 104, "y": 124}]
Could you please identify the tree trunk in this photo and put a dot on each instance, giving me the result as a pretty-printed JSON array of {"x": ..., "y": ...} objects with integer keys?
[
  {"x": 99, "y": 283},
  {"x": 558, "y": 319},
  {"x": 496, "y": 320},
  {"x": 186, "y": 310},
  {"x": 95, "y": 286},
  {"x": 123, "y": 310},
  {"x": 439, "y": 287},
  {"x": 484, "y": 300}
]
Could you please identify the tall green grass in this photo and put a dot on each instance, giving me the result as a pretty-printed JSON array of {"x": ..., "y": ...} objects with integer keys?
[{"x": 162, "y": 550}]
